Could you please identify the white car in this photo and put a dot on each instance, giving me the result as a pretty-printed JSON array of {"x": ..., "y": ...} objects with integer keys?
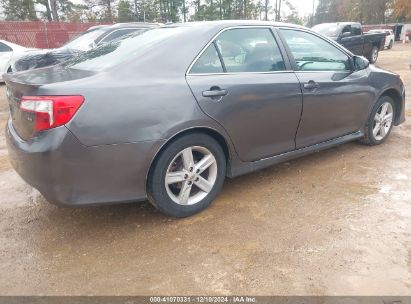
[
  {"x": 389, "y": 40},
  {"x": 9, "y": 50}
]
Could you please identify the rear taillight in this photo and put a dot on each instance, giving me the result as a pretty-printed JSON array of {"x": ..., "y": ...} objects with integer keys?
[{"x": 51, "y": 111}]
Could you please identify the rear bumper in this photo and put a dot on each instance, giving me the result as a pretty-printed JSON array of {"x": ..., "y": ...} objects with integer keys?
[{"x": 70, "y": 174}]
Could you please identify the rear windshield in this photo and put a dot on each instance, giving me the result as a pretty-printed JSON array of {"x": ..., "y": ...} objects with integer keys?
[
  {"x": 113, "y": 53},
  {"x": 85, "y": 41}
]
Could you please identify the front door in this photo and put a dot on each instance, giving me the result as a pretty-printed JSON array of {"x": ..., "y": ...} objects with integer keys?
[
  {"x": 242, "y": 81},
  {"x": 337, "y": 99}
]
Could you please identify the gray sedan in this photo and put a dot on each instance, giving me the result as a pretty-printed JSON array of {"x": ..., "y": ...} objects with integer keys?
[{"x": 169, "y": 113}]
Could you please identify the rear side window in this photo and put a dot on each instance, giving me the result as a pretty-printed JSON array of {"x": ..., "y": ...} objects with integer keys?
[
  {"x": 356, "y": 30},
  {"x": 250, "y": 50},
  {"x": 311, "y": 53},
  {"x": 241, "y": 50},
  {"x": 208, "y": 62}
]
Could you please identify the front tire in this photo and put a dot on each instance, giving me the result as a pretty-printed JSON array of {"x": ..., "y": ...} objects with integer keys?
[
  {"x": 380, "y": 122},
  {"x": 390, "y": 45},
  {"x": 187, "y": 175}
]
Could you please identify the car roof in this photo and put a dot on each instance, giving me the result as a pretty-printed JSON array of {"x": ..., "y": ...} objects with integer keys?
[
  {"x": 109, "y": 27},
  {"x": 231, "y": 23},
  {"x": 341, "y": 23},
  {"x": 135, "y": 25}
]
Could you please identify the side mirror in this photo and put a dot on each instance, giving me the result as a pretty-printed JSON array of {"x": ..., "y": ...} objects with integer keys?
[
  {"x": 360, "y": 63},
  {"x": 345, "y": 34}
]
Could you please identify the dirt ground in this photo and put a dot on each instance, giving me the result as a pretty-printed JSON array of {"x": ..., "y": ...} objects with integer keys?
[{"x": 337, "y": 222}]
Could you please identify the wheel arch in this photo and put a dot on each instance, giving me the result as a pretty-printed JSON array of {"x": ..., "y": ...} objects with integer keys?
[
  {"x": 396, "y": 97},
  {"x": 222, "y": 141}
]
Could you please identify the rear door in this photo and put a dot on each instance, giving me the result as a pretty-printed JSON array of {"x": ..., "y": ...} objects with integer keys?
[
  {"x": 336, "y": 98},
  {"x": 355, "y": 40},
  {"x": 242, "y": 81}
]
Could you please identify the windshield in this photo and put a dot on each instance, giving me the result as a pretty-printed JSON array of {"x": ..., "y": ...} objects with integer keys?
[
  {"x": 85, "y": 41},
  {"x": 113, "y": 53},
  {"x": 327, "y": 29}
]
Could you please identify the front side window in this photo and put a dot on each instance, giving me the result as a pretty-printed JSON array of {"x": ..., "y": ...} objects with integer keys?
[
  {"x": 312, "y": 53},
  {"x": 347, "y": 29},
  {"x": 241, "y": 50}
]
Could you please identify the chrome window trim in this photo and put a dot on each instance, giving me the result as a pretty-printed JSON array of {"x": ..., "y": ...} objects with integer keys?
[
  {"x": 241, "y": 73},
  {"x": 269, "y": 27}
]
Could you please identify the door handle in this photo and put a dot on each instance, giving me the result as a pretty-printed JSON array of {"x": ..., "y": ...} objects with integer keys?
[
  {"x": 311, "y": 85},
  {"x": 215, "y": 93}
]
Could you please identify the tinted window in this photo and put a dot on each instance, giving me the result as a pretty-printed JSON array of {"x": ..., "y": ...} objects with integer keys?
[
  {"x": 118, "y": 33},
  {"x": 312, "y": 53},
  {"x": 113, "y": 53},
  {"x": 346, "y": 29},
  {"x": 5, "y": 48},
  {"x": 85, "y": 41},
  {"x": 208, "y": 62},
  {"x": 250, "y": 50},
  {"x": 356, "y": 30}
]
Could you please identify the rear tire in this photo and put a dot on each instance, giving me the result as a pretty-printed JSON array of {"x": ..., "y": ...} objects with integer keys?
[
  {"x": 390, "y": 45},
  {"x": 374, "y": 54},
  {"x": 187, "y": 175},
  {"x": 378, "y": 126}
]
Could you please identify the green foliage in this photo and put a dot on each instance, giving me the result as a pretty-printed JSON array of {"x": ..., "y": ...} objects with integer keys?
[
  {"x": 16, "y": 10},
  {"x": 364, "y": 11},
  {"x": 125, "y": 13}
]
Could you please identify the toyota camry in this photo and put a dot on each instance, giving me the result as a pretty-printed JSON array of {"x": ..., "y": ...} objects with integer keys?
[{"x": 167, "y": 114}]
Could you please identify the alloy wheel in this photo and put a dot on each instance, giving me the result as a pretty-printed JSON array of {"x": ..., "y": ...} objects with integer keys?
[
  {"x": 374, "y": 55},
  {"x": 382, "y": 121},
  {"x": 191, "y": 175}
]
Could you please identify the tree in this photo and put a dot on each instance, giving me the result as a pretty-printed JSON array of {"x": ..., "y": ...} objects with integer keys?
[
  {"x": 293, "y": 16},
  {"x": 16, "y": 10},
  {"x": 53, "y": 5},
  {"x": 67, "y": 8},
  {"x": 102, "y": 8},
  {"x": 125, "y": 14},
  {"x": 400, "y": 10},
  {"x": 266, "y": 9},
  {"x": 47, "y": 13}
]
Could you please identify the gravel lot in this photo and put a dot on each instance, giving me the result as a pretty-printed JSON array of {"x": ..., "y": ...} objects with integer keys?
[{"x": 337, "y": 222}]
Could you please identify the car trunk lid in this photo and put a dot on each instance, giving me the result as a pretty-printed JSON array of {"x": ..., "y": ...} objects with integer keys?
[{"x": 32, "y": 83}]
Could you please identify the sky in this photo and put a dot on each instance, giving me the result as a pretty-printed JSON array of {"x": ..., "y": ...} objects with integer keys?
[{"x": 304, "y": 7}]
